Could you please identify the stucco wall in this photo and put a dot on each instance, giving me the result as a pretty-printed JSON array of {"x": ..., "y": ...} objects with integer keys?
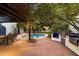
[
  {"x": 9, "y": 27},
  {"x": 56, "y": 39}
]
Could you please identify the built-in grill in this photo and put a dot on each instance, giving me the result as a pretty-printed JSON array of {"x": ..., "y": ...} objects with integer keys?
[{"x": 74, "y": 38}]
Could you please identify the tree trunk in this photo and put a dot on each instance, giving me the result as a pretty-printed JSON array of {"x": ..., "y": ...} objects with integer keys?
[
  {"x": 25, "y": 30},
  {"x": 77, "y": 28},
  {"x": 73, "y": 24},
  {"x": 18, "y": 30},
  {"x": 29, "y": 32}
]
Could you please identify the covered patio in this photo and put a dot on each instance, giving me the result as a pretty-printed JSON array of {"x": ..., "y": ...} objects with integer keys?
[{"x": 25, "y": 13}]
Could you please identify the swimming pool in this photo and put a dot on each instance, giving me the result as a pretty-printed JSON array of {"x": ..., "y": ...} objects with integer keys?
[
  {"x": 25, "y": 36},
  {"x": 38, "y": 36}
]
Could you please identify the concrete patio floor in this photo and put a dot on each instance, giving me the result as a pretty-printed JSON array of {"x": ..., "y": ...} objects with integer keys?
[{"x": 43, "y": 47}]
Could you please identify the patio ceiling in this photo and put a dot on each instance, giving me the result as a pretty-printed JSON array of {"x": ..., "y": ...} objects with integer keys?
[{"x": 16, "y": 12}]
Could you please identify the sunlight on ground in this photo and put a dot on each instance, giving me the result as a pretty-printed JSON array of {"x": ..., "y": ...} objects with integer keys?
[
  {"x": 42, "y": 47},
  {"x": 17, "y": 48}
]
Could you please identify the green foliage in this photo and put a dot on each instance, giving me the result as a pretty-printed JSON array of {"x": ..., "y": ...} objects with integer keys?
[
  {"x": 56, "y": 16},
  {"x": 21, "y": 25},
  {"x": 61, "y": 11}
]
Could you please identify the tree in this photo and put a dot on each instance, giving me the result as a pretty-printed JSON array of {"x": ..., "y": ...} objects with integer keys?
[
  {"x": 64, "y": 12},
  {"x": 21, "y": 25},
  {"x": 30, "y": 15},
  {"x": 55, "y": 16}
]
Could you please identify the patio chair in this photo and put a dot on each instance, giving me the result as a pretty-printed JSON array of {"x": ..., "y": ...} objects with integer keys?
[{"x": 8, "y": 39}]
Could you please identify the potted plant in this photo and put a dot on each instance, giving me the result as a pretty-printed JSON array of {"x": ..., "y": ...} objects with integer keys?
[{"x": 32, "y": 41}]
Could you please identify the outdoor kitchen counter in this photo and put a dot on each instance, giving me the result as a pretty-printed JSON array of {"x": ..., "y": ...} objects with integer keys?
[{"x": 71, "y": 46}]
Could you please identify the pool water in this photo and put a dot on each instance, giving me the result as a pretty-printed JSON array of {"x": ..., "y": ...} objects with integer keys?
[{"x": 37, "y": 35}]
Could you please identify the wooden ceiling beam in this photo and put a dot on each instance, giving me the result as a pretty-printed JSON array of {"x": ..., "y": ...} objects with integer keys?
[
  {"x": 3, "y": 13},
  {"x": 15, "y": 10},
  {"x": 10, "y": 11},
  {"x": 20, "y": 8},
  {"x": 6, "y": 13}
]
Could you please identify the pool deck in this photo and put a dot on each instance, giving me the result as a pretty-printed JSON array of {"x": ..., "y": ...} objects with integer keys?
[{"x": 43, "y": 47}]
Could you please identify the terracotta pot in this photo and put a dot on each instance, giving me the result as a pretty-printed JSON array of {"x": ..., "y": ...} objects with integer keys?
[{"x": 32, "y": 41}]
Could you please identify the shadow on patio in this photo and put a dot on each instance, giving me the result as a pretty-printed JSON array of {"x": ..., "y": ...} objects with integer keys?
[{"x": 43, "y": 47}]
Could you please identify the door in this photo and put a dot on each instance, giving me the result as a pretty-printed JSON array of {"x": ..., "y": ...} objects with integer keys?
[
  {"x": 2, "y": 30},
  {"x": 56, "y": 35}
]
